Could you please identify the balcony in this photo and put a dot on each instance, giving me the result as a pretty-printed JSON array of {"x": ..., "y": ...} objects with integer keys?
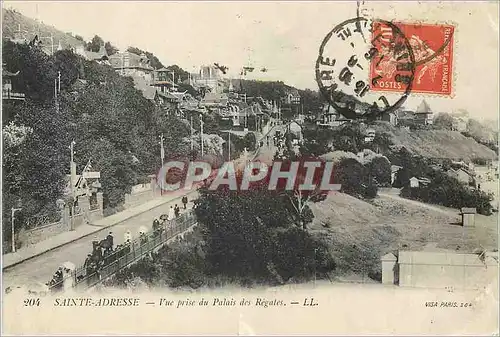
[{"x": 9, "y": 94}]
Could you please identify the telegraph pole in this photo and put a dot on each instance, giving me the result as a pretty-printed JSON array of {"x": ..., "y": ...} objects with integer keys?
[
  {"x": 72, "y": 168},
  {"x": 12, "y": 214},
  {"x": 192, "y": 140},
  {"x": 201, "y": 134},
  {"x": 162, "y": 150},
  {"x": 173, "y": 80},
  {"x": 162, "y": 155}
]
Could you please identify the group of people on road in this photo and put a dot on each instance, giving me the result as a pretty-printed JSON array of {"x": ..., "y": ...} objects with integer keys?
[{"x": 104, "y": 253}]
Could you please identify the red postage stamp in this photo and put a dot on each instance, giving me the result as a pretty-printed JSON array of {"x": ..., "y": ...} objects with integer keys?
[{"x": 432, "y": 47}]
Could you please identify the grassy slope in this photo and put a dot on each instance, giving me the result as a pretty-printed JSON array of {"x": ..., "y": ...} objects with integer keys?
[
  {"x": 437, "y": 143},
  {"x": 12, "y": 20},
  {"x": 359, "y": 232}
]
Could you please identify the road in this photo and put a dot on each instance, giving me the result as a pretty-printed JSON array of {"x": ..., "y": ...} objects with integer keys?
[{"x": 40, "y": 269}]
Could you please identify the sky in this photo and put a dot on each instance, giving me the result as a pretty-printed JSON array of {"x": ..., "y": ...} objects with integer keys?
[{"x": 283, "y": 37}]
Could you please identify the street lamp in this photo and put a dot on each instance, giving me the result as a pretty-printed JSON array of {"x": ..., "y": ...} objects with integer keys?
[
  {"x": 162, "y": 155},
  {"x": 13, "y": 212},
  {"x": 315, "y": 250},
  {"x": 201, "y": 134}
]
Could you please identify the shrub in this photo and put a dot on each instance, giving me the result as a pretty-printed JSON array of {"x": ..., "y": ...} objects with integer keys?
[
  {"x": 380, "y": 169},
  {"x": 370, "y": 191},
  {"x": 448, "y": 191}
]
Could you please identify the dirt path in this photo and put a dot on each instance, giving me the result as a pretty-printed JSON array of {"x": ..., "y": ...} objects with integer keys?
[{"x": 417, "y": 203}]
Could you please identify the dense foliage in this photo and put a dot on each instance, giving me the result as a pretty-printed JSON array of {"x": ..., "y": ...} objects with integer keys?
[
  {"x": 442, "y": 189},
  {"x": 110, "y": 121},
  {"x": 448, "y": 191},
  {"x": 254, "y": 235},
  {"x": 154, "y": 61}
]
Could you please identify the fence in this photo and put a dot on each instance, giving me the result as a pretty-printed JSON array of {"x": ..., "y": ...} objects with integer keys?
[{"x": 129, "y": 254}]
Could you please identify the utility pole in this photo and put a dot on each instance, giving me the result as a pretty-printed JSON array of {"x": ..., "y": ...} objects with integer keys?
[
  {"x": 201, "y": 134},
  {"x": 162, "y": 155},
  {"x": 192, "y": 130},
  {"x": 72, "y": 168},
  {"x": 13, "y": 212},
  {"x": 228, "y": 144},
  {"x": 173, "y": 80},
  {"x": 315, "y": 250},
  {"x": 59, "y": 81}
]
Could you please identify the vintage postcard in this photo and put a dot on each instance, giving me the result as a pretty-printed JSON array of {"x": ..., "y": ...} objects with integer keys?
[{"x": 250, "y": 168}]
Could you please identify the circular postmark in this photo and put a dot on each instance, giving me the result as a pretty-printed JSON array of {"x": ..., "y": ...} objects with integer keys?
[
  {"x": 421, "y": 56},
  {"x": 359, "y": 54}
]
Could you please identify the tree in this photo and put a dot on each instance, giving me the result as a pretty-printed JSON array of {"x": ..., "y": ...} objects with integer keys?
[
  {"x": 444, "y": 120},
  {"x": 379, "y": 168},
  {"x": 180, "y": 74},
  {"x": 95, "y": 44},
  {"x": 250, "y": 234},
  {"x": 108, "y": 118},
  {"x": 110, "y": 49},
  {"x": 153, "y": 60},
  {"x": 317, "y": 141}
]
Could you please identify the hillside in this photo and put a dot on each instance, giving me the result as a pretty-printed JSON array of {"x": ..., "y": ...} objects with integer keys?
[
  {"x": 358, "y": 233},
  {"x": 436, "y": 143},
  {"x": 14, "y": 21}
]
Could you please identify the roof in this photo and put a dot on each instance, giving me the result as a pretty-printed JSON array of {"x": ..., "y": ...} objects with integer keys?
[
  {"x": 293, "y": 92},
  {"x": 389, "y": 257},
  {"x": 468, "y": 210},
  {"x": 118, "y": 60},
  {"x": 441, "y": 258},
  {"x": 214, "y": 98},
  {"x": 405, "y": 114},
  {"x": 168, "y": 95},
  {"x": 395, "y": 168},
  {"x": 423, "y": 108}
]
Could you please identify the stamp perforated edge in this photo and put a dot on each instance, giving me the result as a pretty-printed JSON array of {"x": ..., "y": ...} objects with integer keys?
[{"x": 452, "y": 94}]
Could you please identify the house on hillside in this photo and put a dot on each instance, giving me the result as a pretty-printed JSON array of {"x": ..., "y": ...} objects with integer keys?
[
  {"x": 208, "y": 79},
  {"x": 214, "y": 100},
  {"x": 330, "y": 117},
  {"x": 292, "y": 97},
  {"x": 167, "y": 101},
  {"x": 424, "y": 114},
  {"x": 163, "y": 80},
  {"x": 463, "y": 175},
  {"x": 403, "y": 115},
  {"x": 130, "y": 64},
  {"x": 391, "y": 117},
  {"x": 370, "y": 135},
  {"x": 419, "y": 182}
]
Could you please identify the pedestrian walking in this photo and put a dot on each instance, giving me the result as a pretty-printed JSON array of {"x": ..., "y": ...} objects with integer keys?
[
  {"x": 171, "y": 214},
  {"x": 185, "y": 201},
  {"x": 177, "y": 211},
  {"x": 128, "y": 236}
]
